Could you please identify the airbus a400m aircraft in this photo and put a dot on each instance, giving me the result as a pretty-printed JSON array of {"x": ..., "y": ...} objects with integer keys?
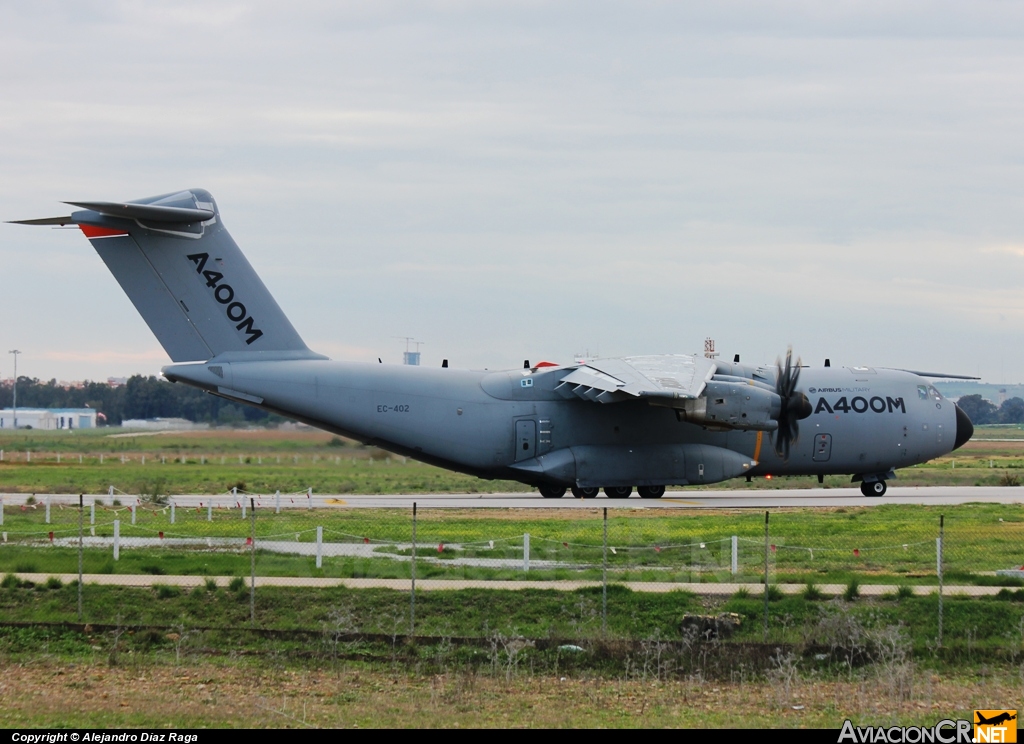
[{"x": 643, "y": 422}]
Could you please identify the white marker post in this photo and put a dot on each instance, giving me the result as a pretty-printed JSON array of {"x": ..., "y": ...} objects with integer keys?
[
  {"x": 309, "y": 499},
  {"x": 92, "y": 512},
  {"x": 277, "y": 503},
  {"x": 526, "y": 551},
  {"x": 735, "y": 555},
  {"x": 1, "y": 511},
  {"x": 47, "y": 509},
  {"x": 172, "y": 512},
  {"x": 117, "y": 539},
  {"x": 209, "y": 512},
  {"x": 319, "y": 547}
]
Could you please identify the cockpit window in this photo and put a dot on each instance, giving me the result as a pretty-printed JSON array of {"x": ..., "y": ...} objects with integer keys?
[
  {"x": 934, "y": 394},
  {"x": 922, "y": 392}
]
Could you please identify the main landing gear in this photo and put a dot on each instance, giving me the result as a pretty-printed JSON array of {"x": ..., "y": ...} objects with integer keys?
[
  {"x": 874, "y": 488},
  {"x": 612, "y": 492}
]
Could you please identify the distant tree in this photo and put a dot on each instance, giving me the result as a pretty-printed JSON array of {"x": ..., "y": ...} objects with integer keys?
[
  {"x": 141, "y": 397},
  {"x": 1012, "y": 411},
  {"x": 979, "y": 410}
]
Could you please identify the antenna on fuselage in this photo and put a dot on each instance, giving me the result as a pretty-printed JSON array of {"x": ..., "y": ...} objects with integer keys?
[{"x": 828, "y": 362}]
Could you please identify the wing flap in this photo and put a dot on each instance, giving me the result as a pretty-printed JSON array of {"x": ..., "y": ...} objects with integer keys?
[{"x": 671, "y": 376}]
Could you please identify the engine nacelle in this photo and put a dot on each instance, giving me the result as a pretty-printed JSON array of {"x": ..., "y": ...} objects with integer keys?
[{"x": 732, "y": 405}]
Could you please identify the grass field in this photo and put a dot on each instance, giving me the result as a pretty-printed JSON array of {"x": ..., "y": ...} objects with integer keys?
[
  {"x": 536, "y": 658},
  {"x": 883, "y": 544},
  {"x": 264, "y": 461},
  {"x": 336, "y": 657},
  {"x": 164, "y": 694}
]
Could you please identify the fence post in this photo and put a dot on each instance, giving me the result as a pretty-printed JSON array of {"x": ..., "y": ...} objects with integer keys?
[
  {"x": 604, "y": 578},
  {"x": 309, "y": 498},
  {"x": 243, "y": 507},
  {"x": 1, "y": 511},
  {"x": 92, "y": 512},
  {"x": 133, "y": 509},
  {"x": 319, "y": 547},
  {"x": 766, "y": 576},
  {"x": 252, "y": 562},
  {"x": 412, "y": 591},
  {"x": 110, "y": 491},
  {"x": 117, "y": 539},
  {"x": 172, "y": 511},
  {"x": 209, "y": 510},
  {"x": 735, "y": 555},
  {"x": 277, "y": 503},
  {"x": 234, "y": 494},
  {"x": 81, "y": 544},
  {"x": 526, "y": 551},
  {"x": 938, "y": 567},
  {"x": 47, "y": 509}
]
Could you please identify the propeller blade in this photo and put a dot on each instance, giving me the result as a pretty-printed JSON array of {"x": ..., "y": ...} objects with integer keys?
[{"x": 795, "y": 406}]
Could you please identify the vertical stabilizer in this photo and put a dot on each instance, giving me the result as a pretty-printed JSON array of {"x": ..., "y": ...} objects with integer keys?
[{"x": 188, "y": 279}]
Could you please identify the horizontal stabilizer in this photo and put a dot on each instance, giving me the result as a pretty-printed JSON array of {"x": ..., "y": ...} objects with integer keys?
[
  {"x": 44, "y": 221},
  {"x": 149, "y": 212}
]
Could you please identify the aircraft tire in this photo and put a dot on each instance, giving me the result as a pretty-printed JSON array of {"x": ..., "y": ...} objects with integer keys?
[
  {"x": 651, "y": 492},
  {"x": 552, "y": 492},
  {"x": 618, "y": 492},
  {"x": 874, "y": 489},
  {"x": 584, "y": 493}
]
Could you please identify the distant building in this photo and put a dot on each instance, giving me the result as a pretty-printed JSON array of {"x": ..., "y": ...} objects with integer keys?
[
  {"x": 49, "y": 418},
  {"x": 116, "y": 382}
]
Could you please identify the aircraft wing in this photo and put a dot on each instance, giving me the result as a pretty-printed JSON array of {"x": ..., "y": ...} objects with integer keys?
[{"x": 671, "y": 376}]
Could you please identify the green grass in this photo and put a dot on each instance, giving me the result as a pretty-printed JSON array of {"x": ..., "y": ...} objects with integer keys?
[
  {"x": 264, "y": 461},
  {"x": 971, "y": 625},
  {"x": 883, "y": 544}
]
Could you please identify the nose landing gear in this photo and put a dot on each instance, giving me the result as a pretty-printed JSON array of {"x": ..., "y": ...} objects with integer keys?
[{"x": 874, "y": 488}]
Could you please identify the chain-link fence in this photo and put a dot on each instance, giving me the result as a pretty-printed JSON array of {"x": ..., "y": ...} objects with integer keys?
[{"x": 281, "y": 540}]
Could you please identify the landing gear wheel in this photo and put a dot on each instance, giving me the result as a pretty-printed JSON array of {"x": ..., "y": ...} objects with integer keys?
[
  {"x": 651, "y": 492},
  {"x": 618, "y": 492},
  {"x": 875, "y": 488},
  {"x": 584, "y": 493},
  {"x": 552, "y": 492}
]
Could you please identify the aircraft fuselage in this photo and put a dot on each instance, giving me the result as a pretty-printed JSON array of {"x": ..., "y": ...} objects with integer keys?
[{"x": 864, "y": 421}]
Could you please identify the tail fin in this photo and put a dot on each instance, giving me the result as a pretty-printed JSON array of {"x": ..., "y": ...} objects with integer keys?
[{"x": 188, "y": 279}]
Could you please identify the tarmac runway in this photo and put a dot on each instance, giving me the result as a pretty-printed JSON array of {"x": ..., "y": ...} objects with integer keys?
[{"x": 682, "y": 499}]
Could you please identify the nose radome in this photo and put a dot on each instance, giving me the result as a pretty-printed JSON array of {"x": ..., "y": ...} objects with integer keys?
[{"x": 964, "y": 428}]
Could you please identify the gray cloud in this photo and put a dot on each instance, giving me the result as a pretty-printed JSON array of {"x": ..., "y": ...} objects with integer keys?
[{"x": 510, "y": 180}]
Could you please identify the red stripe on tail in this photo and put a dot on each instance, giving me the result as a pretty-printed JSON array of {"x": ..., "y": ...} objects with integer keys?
[{"x": 91, "y": 231}]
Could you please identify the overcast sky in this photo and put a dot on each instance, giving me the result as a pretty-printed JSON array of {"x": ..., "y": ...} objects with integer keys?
[{"x": 534, "y": 180}]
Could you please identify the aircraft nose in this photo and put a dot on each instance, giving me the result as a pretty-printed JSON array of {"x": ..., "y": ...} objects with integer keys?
[{"x": 964, "y": 428}]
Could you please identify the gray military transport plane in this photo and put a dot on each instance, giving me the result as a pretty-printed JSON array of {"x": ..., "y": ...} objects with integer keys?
[{"x": 643, "y": 422}]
